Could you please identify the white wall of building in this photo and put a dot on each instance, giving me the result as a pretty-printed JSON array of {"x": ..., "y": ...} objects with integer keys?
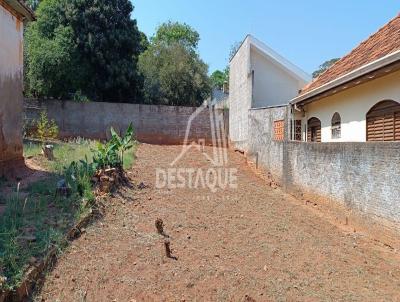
[
  {"x": 276, "y": 81},
  {"x": 353, "y": 105},
  {"x": 240, "y": 94},
  {"x": 272, "y": 84},
  {"x": 11, "y": 44}
]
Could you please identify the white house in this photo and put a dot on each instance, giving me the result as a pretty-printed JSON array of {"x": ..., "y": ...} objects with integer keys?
[
  {"x": 13, "y": 15},
  {"x": 358, "y": 98},
  {"x": 259, "y": 77}
]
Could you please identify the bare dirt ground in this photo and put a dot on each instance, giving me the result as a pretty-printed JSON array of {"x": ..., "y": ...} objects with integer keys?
[{"x": 253, "y": 243}]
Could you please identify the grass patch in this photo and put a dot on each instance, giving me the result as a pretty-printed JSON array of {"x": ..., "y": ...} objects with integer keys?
[
  {"x": 35, "y": 219},
  {"x": 32, "y": 148},
  {"x": 33, "y": 222},
  {"x": 64, "y": 152}
]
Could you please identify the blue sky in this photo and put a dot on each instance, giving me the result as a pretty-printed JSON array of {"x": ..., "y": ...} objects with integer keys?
[{"x": 305, "y": 32}]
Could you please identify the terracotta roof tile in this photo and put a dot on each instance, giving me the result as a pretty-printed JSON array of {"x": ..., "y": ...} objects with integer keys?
[{"x": 383, "y": 42}]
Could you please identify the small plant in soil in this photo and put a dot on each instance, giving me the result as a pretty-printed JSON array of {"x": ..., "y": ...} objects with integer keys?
[
  {"x": 46, "y": 129},
  {"x": 111, "y": 154}
]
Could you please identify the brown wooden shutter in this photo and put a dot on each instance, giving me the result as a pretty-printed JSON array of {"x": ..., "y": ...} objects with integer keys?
[{"x": 383, "y": 122}]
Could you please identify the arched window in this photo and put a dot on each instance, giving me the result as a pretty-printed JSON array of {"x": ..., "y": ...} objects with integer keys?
[
  {"x": 314, "y": 130},
  {"x": 336, "y": 126},
  {"x": 383, "y": 122}
]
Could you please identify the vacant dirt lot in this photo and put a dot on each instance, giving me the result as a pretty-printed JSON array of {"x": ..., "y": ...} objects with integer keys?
[{"x": 253, "y": 243}]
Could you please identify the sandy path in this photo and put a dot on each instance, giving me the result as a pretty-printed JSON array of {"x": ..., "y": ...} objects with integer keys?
[{"x": 253, "y": 242}]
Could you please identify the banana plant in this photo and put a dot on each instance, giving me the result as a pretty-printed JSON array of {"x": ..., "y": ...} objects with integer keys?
[{"x": 124, "y": 143}]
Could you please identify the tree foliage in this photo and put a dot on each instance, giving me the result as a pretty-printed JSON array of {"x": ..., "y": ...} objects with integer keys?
[
  {"x": 234, "y": 49},
  {"x": 50, "y": 51},
  {"x": 86, "y": 46},
  {"x": 33, "y": 3},
  {"x": 174, "y": 32},
  {"x": 324, "y": 66},
  {"x": 218, "y": 78},
  {"x": 173, "y": 72}
]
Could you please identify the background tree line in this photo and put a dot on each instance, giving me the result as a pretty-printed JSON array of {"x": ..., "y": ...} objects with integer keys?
[{"x": 93, "y": 50}]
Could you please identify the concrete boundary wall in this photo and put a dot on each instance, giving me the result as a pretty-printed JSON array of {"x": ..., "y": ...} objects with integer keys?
[
  {"x": 362, "y": 176},
  {"x": 153, "y": 124}
]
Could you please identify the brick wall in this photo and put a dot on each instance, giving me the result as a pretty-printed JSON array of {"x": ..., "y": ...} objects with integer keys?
[
  {"x": 153, "y": 123},
  {"x": 363, "y": 176}
]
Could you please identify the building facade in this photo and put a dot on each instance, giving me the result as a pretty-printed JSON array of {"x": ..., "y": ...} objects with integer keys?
[
  {"x": 338, "y": 139},
  {"x": 13, "y": 15},
  {"x": 259, "y": 77},
  {"x": 358, "y": 98}
]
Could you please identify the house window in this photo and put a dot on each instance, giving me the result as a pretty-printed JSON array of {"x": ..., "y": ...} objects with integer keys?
[
  {"x": 279, "y": 130},
  {"x": 336, "y": 126},
  {"x": 296, "y": 136},
  {"x": 314, "y": 130},
  {"x": 297, "y": 130},
  {"x": 383, "y": 122}
]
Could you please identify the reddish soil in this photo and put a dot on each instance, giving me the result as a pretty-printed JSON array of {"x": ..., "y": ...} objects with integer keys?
[{"x": 253, "y": 243}]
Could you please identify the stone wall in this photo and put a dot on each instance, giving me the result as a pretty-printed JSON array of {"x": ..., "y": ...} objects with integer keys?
[
  {"x": 154, "y": 124},
  {"x": 362, "y": 176},
  {"x": 11, "y": 99}
]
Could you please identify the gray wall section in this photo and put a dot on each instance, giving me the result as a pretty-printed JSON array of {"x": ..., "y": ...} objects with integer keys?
[
  {"x": 261, "y": 142},
  {"x": 153, "y": 124},
  {"x": 363, "y": 176}
]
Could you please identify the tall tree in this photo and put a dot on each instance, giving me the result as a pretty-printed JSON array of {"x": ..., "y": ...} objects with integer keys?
[
  {"x": 324, "y": 67},
  {"x": 50, "y": 52},
  {"x": 90, "y": 47},
  {"x": 108, "y": 44},
  {"x": 173, "y": 72},
  {"x": 175, "y": 32},
  {"x": 218, "y": 78}
]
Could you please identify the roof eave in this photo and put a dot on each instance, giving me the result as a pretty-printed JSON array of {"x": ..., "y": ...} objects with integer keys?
[
  {"x": 20, "y": 7},
  {"x": 359, "y": 72},
  {"x": 270, "y": 53}
]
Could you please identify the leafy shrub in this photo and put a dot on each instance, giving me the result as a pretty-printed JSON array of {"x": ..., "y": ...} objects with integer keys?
[
  {"x": 106, "y": 156},
  {"x": 78, "y": 177},
  {"x": 80, "y": 97},
  {"x": 46, "y": 129},
  {"x": 111, "y": 154},
  {"x": 124, "y": 143}
]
